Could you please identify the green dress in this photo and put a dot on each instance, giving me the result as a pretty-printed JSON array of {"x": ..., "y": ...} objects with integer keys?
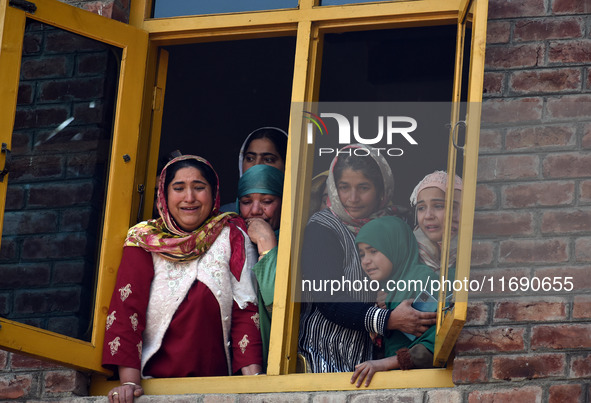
[
  {"x": 264, "y": 270},
  {"x": 395, "y": 239}
]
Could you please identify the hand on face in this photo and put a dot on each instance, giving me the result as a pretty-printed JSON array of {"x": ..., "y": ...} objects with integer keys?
[
  {"x": 262, "y": 151},
  {"x": 357, "y": 194},
  {"x": 260, "y": 231},
  {"x": 264, "y": 206},
  {"x": 261, "y": 234},
  {"x": 189, "y": 198}
]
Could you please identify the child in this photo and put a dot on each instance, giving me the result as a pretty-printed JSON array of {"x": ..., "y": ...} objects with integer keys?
[
  {"x": 389, "y": 254},
  {"x": 429, "y": 199}
]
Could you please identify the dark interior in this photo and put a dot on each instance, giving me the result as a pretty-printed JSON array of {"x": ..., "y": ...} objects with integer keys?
[{"x": 217, "y": 93}]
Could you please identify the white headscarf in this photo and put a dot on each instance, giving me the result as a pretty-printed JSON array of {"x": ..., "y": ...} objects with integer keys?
[{"x": 242, "y": 149}]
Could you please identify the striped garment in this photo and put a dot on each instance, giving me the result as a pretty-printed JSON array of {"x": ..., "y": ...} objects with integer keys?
[{"x": 334, "y": 331}]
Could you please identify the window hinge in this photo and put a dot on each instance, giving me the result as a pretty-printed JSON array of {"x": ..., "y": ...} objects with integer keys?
[
  {"x": 26, "y": 6},
  {"x": 157, "y": 99}
]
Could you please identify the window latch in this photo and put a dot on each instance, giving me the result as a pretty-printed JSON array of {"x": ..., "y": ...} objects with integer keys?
[
  {"x": 140, "y": 190},
  {"x": 454, "y": 136},
  {"x": 26, "y": 6},
  {"x": 4, "y": 171}
]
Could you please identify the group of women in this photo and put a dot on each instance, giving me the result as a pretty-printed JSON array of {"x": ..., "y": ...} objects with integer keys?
[{"x": 194, "y": 290}]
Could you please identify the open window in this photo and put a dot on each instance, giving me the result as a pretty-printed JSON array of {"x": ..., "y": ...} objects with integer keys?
[
  {"x": 210, "y": 79},
  {"x": 69, "y": 159}
]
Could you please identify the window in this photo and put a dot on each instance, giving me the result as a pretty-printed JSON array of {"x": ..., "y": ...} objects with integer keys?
[
  {"x": 303, "y": 48},
  {"x": 71, "y": 163}
]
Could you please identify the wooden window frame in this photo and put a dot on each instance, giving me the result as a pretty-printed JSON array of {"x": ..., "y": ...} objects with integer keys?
[{"x": 308, "y": 23}]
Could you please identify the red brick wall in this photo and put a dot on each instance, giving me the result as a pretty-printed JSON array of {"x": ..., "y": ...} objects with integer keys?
[
  {"x": 115, "y": 9},
  {"x": 533, "y": 215},
  {"x": 23, "y": 378}
]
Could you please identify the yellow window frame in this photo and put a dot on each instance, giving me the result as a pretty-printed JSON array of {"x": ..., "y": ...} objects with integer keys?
[
  {"x": 138, "y": 103},
  {"x": 309, "y": 23},
  {"x": 18, "y": 337}
]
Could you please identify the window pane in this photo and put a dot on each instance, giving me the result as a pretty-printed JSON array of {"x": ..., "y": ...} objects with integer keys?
[
  {"x": 398, "y": 65},
  {"x": 391, "y": 90},
  {"x": 57, "y": 180},
  {"x": 176, "y": 8},
  {"x": 340, "y": 2}
]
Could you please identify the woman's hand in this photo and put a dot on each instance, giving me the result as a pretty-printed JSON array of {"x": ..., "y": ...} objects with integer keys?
[
  {"x": 261, "y": 234},
  {"x": 407, "y": 319},
  {"x": 125, "y": 393},
  {"x": 367, "y": 369},
  {"x": 252, "y": 369},
  {"x": 130, "y": 386}
]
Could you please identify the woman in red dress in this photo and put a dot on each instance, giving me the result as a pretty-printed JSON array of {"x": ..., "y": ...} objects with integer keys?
[{"x": 184, "y": 303}]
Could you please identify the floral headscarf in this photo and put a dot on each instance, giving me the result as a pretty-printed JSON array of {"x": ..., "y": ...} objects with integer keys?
[
  {"x": 165, "y": 237},
  {"x": 334, "y": 203}
]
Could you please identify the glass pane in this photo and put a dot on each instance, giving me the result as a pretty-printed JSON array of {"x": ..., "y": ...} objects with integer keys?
[
  {"x": 176, "y": 8},
  {"x": 57, "y": 180},
  {"x": 398, "y": 65},
  {"x": 456, "y": 161},
  {"x": 390, "y": 90}
]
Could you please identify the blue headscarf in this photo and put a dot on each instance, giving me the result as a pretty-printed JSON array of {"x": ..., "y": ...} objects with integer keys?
[{"x": 262, "y": 179}]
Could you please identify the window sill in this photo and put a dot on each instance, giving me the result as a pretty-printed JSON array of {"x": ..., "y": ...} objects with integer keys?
[{"x": 418, "y": 378}]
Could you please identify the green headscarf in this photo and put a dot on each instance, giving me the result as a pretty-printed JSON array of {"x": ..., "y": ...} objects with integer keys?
[
  {"x": 395, "y": 239},
  {"x": 262, "y": 179}
]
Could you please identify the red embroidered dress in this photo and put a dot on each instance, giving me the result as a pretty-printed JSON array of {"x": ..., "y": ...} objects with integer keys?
[{"x": 178, "y": 318}]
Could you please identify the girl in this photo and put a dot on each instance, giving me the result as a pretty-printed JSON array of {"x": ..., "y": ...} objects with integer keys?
[{"x": 389, "y": 254}]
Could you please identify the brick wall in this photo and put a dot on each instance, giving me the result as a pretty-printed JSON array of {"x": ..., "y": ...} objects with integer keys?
[
  {"x": 533, "y": 219},
  {"x": 115, "y": 9},
  {"x": 533, "y": 215}
]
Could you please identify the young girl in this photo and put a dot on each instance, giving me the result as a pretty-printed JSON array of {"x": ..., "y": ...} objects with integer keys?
[
  {"x": 389, "y": 254},
  {"x": 429, "y": 199}
]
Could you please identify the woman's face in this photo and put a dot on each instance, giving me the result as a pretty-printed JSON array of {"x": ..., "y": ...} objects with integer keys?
[
  {"x": 189, "y": 198},
  {"x": 357, "y": 193},
  {"x": 374, "y": 263},
  {"x": 262, "y": 151},
  {"x": 431, "y": 213},
  {"x": 265, "y": 206}
]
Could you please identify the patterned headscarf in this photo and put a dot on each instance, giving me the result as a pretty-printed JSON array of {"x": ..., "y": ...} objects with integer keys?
[
  {"x": 165, "y": 237},
  {"x": 430, "y": 251},
  {"x": 437, "y": 179},
  {"x": 334, "y": 203}
]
